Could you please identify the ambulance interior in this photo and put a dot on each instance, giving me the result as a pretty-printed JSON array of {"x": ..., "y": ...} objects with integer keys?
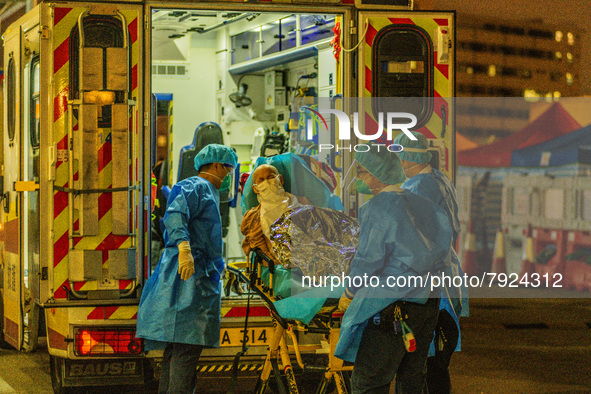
[{"x": 247, "y": 74}]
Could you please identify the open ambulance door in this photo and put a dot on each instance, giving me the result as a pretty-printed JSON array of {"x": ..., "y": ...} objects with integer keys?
[
  {"x": 411, "y": 54},
  {"x": 12, "y": 262},
  {"x": 20, "y": 189}
]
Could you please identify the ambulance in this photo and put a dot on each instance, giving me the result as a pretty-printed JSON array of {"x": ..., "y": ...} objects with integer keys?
[{"x": 90, "y": 90}]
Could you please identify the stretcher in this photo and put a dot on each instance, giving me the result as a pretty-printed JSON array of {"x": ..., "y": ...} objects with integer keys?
[{"x": 296, "y": 317}]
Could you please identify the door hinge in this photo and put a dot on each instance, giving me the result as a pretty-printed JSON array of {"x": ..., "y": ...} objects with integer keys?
[
  {"x": 45, "y": 32},
  {"x": 352, "y": 28}
]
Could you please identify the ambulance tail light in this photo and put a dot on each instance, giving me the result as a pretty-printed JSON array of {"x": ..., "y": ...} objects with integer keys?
[{"x": 107, "y": 341}]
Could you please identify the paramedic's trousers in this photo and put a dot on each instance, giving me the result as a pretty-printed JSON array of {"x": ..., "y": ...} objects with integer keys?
[
  {"x": 382, "y": 354},
  {"x": 179, "y": 368}
]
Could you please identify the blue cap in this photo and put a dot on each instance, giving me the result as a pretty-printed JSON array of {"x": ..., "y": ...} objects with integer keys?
[
  {"x": 382, "y": 164},
  {"x": 216, "y": 153},
  {"x": 415, "y": 151}
]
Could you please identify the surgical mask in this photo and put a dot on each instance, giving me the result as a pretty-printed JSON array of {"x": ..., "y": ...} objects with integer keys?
[
  {"x": 270, "y": 191},
  {"x": 362, "y": 187},
  {"x": 226, "y": 188},
  {"x": 274, "y": 202}
]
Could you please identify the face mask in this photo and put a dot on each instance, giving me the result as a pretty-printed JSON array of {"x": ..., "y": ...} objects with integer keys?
[
  {"x": 274, "y": 202},
  {"x": 213, "y": 175},
  {"x": 226, "y": 191},
  {"x": 270, "y": 191},
  {"x": 225, "y": 187},
  {"x": 362, "y": 187}
]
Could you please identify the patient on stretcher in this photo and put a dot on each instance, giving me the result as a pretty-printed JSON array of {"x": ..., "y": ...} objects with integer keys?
[
  {"x": 274, "y": 201},
  {"x": 317, "y": 241}
]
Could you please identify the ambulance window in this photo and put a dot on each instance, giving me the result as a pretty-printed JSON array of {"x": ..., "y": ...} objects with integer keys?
[
  {"x": 11, "y": 99},
  {"x": 586, "y": 211},
  {"x": 34, "y": 116},
  {"x": 100, "y": 31},
  {"x": 271, "y": 38},
  {"x": 402, "y": 62},
  {"x": 288, "y": 32},
  {"x": 245, "y": 46},
  {"x": 316, "y": 27},
  {"x": 554, "y": 204}
]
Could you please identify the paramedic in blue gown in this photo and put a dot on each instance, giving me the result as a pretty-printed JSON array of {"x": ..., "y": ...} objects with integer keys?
[
  {"x": 402, "y": 236},
  {"x": 180, "y": 305},
  {"x": 434, "y": 185}
]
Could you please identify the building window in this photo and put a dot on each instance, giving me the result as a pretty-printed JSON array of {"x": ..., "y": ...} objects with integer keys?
[
  {"x": 558, "y": 36},
  {"x": 558, "y": 55},
  {"x": 492, "y": 70},
  {"x": 541, "y": 33},
  {"x": 569, "y": 79},
  {"x": 570, "y": 37},
  {"x": 569, "y": 57},
  {"x": 526, "y": 74}
]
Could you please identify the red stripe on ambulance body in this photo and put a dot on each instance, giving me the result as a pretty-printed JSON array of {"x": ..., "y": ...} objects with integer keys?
[
  {"x": 240, "y": 311},
  {"x": 59, "y": 13},
  {"x": 60, "y": 202},
  {"x": 61, "y": 55},
  {"x": 112, "y": 242},
  {"x": 60, "y": 104},
  {"x": 60, "y": 249},
  {"x": 132, "y": 30}
]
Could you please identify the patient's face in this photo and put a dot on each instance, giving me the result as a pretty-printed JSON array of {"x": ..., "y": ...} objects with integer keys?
[{"x": 263, "y": 173}]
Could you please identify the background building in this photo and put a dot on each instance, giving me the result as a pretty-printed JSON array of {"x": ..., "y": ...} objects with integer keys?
[{"x": 508, "y": 58}]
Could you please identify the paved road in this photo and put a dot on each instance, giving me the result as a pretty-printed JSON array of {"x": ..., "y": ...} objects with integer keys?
[
  {"x": 525, "y": 346},
  {"x": 509, "y": 346}
]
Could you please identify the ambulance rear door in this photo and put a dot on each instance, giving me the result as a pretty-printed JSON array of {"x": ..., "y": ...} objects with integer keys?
[
  {"x": 410, "y": 54},
  {"x": 12, "y": 264}
]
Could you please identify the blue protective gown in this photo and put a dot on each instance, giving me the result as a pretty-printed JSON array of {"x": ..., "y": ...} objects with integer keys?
[
  {"x": 402, "y": 235},
  {"x": 173, "y": 310},
  {"x": 435, "y": 186}
]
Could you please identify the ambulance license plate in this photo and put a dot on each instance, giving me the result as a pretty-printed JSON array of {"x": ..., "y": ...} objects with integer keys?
[
  {"x": 103, "y": 368},
  {"x": 255, "y": 336}
]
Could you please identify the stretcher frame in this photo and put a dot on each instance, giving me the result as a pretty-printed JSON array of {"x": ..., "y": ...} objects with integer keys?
[{"x": 327, "y": 322}]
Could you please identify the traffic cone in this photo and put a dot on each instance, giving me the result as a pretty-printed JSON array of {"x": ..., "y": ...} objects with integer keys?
[
  {"x": 499, "y": 264},
  {"x": 527, "y": 266},
  {"x": 469, "y": 257}
]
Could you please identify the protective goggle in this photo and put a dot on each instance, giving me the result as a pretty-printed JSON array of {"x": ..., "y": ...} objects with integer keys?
[{"x": 229, "y": 184}]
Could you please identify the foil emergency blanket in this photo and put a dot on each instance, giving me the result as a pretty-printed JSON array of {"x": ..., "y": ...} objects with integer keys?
[{"x": 319, "y": 241}]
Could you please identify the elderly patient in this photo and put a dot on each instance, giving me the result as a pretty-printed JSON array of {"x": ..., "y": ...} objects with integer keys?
[{"x": 274, "y": 201}]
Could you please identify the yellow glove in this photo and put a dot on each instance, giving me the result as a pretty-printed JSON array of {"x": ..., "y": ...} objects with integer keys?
[
  {"x": 345, "y": 301},
  {"x": 186, "y": 262}
]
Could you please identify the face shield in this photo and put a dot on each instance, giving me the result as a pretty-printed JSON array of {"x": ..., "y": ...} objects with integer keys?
[
  {"x": 229, "y": 185},
  {"x": 352, "y": 182}
]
